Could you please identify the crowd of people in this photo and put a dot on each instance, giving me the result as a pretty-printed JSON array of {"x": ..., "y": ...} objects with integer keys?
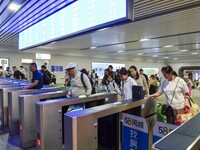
[
  {"x": 17, "y": 74},
  {"x": 120, "y": 82},
  {"x": 39, "y": 77}
]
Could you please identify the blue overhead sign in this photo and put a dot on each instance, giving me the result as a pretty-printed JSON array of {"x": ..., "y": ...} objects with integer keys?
[
  {"x": 80, "y": 16},
  {"x": 134, "y": 133}
]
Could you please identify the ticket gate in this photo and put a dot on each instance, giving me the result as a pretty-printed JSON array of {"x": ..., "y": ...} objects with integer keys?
[
  {"x": 4, "y": 102},
  {"x": 14, "y": 82},
  {"x": 50, "y": 118},
  {"x": 83, "y": 129},
  {"x": 27, "y": 113},
  {"x": 13, "y": 105},
  {"x": 186, "y": 136}
]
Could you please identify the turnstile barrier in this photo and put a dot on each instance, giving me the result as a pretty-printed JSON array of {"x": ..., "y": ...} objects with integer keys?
[
  {"x": 82, "y": 127},
  {"x": 50, "y": 118},
  {"x": 27, "y": 121},
  {"x": 4, "y": 102},
  {"x": 13, "y": 105}
]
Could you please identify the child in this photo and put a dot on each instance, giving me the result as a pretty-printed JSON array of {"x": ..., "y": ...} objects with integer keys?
[{"x": 112, "y": 85}]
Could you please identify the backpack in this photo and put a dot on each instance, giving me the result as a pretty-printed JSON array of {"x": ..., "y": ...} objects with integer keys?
[{"x": 91, "y": 82}]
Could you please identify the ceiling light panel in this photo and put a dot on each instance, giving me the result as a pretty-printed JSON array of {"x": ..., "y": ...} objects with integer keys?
[
  {"x": 168, "y": 46},
  {"x": 142, "y": 40}
]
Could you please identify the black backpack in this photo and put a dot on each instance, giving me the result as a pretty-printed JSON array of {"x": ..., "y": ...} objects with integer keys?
[{"x": 91, "y": 82}]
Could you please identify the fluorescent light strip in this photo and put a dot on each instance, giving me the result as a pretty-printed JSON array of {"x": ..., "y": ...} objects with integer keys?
[
  {"x": 142, "y": 40},
  {"x": 194, "y": 53},
  {"x": 13, "y": 6},
  {"x": 167, "y": 46},
  {"x": 140, "y": 54},
  {"x": 184, "y": 50},
  {"x": 166, "y": 57},
  {"x": 93, "y": 47},
  {"x": 22, "y": 13}
]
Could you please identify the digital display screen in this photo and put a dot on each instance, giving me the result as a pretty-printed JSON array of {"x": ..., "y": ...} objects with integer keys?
[
  {"x": 100, "y": 67},
  {"x": 57, "y": 68},
  {"x": 80, "y": 16},
  {"x": 151, "y": 71}
]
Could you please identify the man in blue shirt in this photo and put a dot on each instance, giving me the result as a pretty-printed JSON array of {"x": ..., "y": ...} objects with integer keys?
[{"x": 37, "y": 80}]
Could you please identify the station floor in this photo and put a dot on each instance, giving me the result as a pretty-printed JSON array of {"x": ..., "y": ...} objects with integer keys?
[{"x": 12, "y": 143}]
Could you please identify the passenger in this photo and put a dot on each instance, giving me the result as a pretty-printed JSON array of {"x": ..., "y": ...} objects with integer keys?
[
  {"x": 105, "y": 78},
  {"x": 175, "y": 90},
  {"x": 77, "y": 87},
  {"x": 175, "y": 74},
  {"x": 91, "y": 81},
  {"x": 8, "y": 72},
  {"x": 112, "y": 85},
  {"x": 117, "y": 78},
  {"x": 37, "y": 80},
  {"x": 111, "y": 72},
  {"x": 139, "y": 78},
  {"x": 156, "y": 76},
  {"x": 23, "y": 71},
  {"x": 146, "y": 77},
  {"x": 46, "y": 75},
  {"x": 154, "y": 84},
  {"x": 128, "y": 82},
  {"x": 2, "y": 72},
  {"x": 67, "y": 80},
  {"x": 53, "y": 76},
  {"x": 93, "y": 74},
  {"x": 17, "y": 73},
  {"x": 96, "y": 79},
  {"x": 187, "y": 78}
]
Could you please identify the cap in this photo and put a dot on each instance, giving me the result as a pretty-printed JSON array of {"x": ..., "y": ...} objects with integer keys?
[{"x": 71, "y": 65}]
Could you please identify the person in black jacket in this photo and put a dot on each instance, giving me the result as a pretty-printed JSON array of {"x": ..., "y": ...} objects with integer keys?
[
  {"x": 46, "y": 75},
  {"x": 17, "y": 73}
]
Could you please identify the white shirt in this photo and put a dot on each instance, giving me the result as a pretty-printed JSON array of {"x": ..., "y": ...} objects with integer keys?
[
  {"x": 167, "y": 87},
  {"x": 127, "y": 88}
]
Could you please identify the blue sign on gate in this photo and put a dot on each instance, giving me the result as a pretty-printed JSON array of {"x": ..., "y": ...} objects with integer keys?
[
  {"x": 134, "y": 133},
  {"x": 161, "y": 129}
]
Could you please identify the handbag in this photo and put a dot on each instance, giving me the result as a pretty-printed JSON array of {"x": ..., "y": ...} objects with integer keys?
[
  {"x": 190, "y": 106},
  {"x": 167, "y": 110}
]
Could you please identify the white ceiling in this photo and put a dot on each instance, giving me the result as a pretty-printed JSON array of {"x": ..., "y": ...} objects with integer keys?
[{"x": 180, "y": 29}]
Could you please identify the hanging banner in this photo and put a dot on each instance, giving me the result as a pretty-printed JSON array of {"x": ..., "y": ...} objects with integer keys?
[{"x": 134, "y": 133}]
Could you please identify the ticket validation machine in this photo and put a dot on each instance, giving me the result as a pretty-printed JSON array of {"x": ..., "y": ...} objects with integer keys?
[{"x": 50, "y": 117}]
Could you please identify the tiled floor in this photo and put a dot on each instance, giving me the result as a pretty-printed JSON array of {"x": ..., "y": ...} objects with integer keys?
[{"x": 10, "y": 143}]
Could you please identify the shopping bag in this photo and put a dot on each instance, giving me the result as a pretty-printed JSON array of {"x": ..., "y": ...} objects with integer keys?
[
  {"x": 190, "y": 110},
  {"x": 160, "y": 116}
]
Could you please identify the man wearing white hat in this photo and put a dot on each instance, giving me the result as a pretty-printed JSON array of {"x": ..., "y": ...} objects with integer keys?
[{"x": 80, "y": 83}]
